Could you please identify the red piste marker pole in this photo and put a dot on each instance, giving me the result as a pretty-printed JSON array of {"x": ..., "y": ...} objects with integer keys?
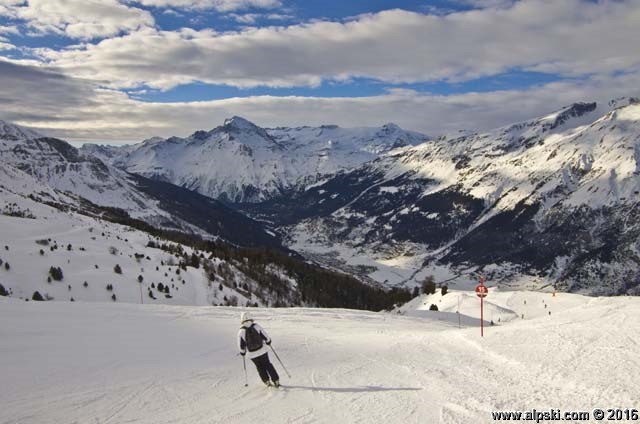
[{"x": 481, "y": 292}]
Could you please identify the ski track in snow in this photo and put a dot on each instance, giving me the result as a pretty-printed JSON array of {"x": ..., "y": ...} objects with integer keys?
[{"x": 122, "y": 363}]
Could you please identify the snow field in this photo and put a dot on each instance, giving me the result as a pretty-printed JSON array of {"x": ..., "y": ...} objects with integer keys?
[
  {"x": 500, "y": 305},
  {"x": 116, "y": 363},
  {"x": 92, "y": 242}
]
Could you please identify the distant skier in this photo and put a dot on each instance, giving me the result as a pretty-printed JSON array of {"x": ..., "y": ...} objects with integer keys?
[{"x": 252, "y": 338}]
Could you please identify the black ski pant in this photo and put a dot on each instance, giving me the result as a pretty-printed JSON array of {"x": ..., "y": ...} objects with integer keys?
[{"x": 265, "y": 368}]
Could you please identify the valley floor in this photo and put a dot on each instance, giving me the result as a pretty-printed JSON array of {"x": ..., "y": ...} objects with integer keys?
[{"x": 123, "y": 363}]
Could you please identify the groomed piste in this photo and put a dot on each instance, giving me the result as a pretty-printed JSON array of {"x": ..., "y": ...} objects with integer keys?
[{"x": 115, "y": 363}]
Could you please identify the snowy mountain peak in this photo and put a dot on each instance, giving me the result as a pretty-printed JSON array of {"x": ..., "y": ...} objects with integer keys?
[
  {"x": 9, "y": 131},
  {"x": 399, "y": 137},
  {"x": 391, "y": 127},
  {"x": 153, "y": 140},
  {"x": 240, "y": 124},
  {"x": 576, "y": 110},
  {"x": 238, "y": 127},
  {"x": 623, "y": 101},
  {"x": 241, "y": 162},
  {"x": 529, "y": 133},
  {"x": 561, "y": 117}
]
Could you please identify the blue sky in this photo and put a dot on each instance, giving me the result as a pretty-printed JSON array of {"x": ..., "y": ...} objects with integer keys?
[
  {"x": 291, "y": 13},
  {"x": 301, "y": 11},
  {"x": 432, "y": 66},
  {"x": 357, "y": 87}
]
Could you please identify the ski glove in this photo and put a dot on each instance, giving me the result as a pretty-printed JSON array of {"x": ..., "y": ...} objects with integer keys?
[
  {"x": 243, "y": 353},
  {"x": 268, "y": 343}
]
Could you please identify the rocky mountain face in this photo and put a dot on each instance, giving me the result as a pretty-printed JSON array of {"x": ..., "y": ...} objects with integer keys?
[
  {"x": 192, "y": 249},
  {"x": 549, "y": 202},
  {"x": 52, "y": 170},
  {"x": 552, "y": 201},
  {"x": 241, "y": 162}
]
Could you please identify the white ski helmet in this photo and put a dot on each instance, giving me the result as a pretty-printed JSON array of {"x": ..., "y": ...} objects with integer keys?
[{"x": 245, "y": 316}]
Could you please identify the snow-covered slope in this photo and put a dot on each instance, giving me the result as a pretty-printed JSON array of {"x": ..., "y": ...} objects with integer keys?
[
  {"x": 555, "y": 197},
  {"x": 240, "y": 161},
  {"x": 64, "y": 252},
  {"x": 9, "y": 131},
  {"x": 116, "y": 363},
  {"x": 59, "y": 165},
  {"x": 36, "y": 237},
  {"x": 500, "y": 306},
  {"x": 106, "y": 153},
  {"x": 56, "y": 171}
]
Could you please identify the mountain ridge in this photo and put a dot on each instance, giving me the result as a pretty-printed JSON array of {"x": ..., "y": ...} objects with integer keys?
[
  {"x": 239, "y": 161},
  {"x": 524, "y": 203},
  {"x": 80, "y": 180},
  {"x": 550, "y": 201}
]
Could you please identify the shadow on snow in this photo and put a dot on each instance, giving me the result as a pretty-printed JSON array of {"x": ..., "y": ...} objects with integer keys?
[{"x": 355, "y": 389}]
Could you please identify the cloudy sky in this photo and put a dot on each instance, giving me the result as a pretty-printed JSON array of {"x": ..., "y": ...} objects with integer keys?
[{"x": 124, "y": 70}]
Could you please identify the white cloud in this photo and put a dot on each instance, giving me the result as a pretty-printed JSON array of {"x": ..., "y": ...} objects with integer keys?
[
  {"x": 219, "y": 5},
  {"x": 80, "y": 19},
  {"x": 595, "y": 41},
  {"x": 35, "y": 93},
  {"x": 172, "y": 12},
  {"x": 8, "y": 3},
  {"x": 73, "y": 109},
  {"x": 6, "y": 46},
  {"x": 9, "y": 29},
  {"x": 246, "y": 18},
  {"x": 251, "y": 18},
  {"x": 569, "y": 37}
]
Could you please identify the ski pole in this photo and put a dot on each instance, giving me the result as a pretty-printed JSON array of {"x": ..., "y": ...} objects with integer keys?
[
  {"x": 244, "y": 363},
  {"x": 283, "y": 367}
]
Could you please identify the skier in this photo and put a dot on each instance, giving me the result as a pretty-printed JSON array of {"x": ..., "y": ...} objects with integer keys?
[{"x": 251, "y": 339}]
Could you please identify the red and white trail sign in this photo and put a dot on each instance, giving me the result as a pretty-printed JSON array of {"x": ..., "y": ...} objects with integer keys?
[{"x": 481, "y": 291}]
